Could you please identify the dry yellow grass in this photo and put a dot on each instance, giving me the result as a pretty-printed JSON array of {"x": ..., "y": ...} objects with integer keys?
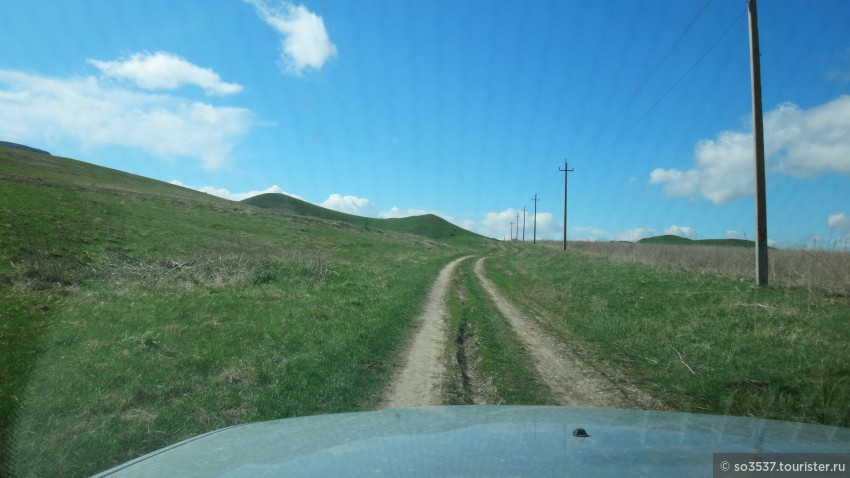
[{"x": 819, "y": 271}]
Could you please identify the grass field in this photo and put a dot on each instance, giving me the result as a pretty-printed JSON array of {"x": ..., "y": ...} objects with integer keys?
[
  {"x": 700, "y": 342},
  {"x": 137, "y": 313}
]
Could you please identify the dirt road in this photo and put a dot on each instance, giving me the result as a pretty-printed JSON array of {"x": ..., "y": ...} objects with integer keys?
[
  {"x": 419, "y": 382},
  {"x": 572, "y": 381}
]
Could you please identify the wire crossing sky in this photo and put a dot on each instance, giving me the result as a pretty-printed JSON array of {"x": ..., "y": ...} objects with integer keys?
[
  {"x": 465, "y": 109},
  {"x": 669, "y": 90},
  {"x": 645, "y": 80}
]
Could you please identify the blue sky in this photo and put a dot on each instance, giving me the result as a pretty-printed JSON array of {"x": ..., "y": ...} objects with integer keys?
[{"x": 461, "y": 108}]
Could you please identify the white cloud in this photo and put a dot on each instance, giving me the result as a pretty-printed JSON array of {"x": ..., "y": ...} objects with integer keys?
[
  {"x": 165, "y": 71},
  {"x": 500, "y": 220},
  {"x": 682, "y": 231},
  {"x": 45, "y": 110},
  {"x": 547, "y": 226},
  {"x": 592, "y": 231},
  {"x": 589, "y": 233},
  {"x": 634, "y": 235},
  {"x": 723, "y": 170},
  {"x": 731, "y": 234},
  {"x": 498, "y": 225},
  {"x": 226, "y": 194},
  {"x": 467, "y": 224},
  {"x": 839, "y": 222},
  {"x": 799, "y": 143},
  {"x": 396, "y": 212},
  {"x": 305, "y": 42},
  {"x": 350, "y": 205}
]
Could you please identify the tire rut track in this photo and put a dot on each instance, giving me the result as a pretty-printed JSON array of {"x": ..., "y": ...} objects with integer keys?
[
  {"x": 573, "y": 382},
  {"x": 420, "y": 381}
]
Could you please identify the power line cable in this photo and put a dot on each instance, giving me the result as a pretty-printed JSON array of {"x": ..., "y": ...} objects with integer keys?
[
  {"x": 669, "y": 90},
  {"x": 646, "y": 79},
  {"x": 616, "y": 114}
]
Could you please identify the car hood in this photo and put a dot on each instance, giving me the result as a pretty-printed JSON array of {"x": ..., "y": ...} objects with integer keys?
[{"x": 482, "y": 441}]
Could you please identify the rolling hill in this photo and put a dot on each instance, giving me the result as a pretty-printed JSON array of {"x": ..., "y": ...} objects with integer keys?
[
  {"x": 22, "y": 147},
  {"x": 428, "y": 225},
  {"x": 684, "y": 241},
  {"x": 224, "y": 312},
  {"x": 55, "y": 169}
]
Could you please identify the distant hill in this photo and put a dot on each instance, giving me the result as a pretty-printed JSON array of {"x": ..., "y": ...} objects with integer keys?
[
  {"x": 59, "y": 171},
  {"x": 684, "y": 241},
  {"x": 428, "y": 225},
  {"x": 667, "y": 239},
  {"x": 23, "y": 147}
]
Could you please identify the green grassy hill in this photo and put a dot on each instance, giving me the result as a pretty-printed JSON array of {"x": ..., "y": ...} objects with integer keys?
[
  {"x": 24, "y": 147},
  {"x": 683, "y": 241},
  {"x": 427, "y": 225},
  {"x": 136, "y": 313}
]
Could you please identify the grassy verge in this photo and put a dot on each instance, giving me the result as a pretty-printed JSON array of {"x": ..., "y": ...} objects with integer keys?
[
  {"x": 136, "y": 314},
  {"x": 24, "y": 322},
  {"x": 487, "y": 364},
  {"x": 700, "y": 343}
]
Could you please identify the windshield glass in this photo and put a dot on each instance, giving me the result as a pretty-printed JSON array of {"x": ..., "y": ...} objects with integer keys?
[{"x": 217, "y": 213}]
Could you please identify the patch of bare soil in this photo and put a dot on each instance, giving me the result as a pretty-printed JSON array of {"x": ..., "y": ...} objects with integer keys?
[
  {"x": 573, "y": 382},
  {"x": 466, "y": 382},
  {"x": 420, "y": 380}
]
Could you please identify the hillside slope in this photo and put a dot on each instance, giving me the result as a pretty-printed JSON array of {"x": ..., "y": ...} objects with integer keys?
[
  {"x": 684, "y": 241},
  {"x": 144, "y": 313},
  {"x": 23, "y": 147},
  {"x": 427, "y": 225}
]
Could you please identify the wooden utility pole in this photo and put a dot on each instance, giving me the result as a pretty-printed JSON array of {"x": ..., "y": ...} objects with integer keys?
[
  {"x": 565, "y": 170},
  {"x": 523, "y": 223},
  {"x": 535, "y": 217},
  {"x": 517, "y": 226},
  {"x": 512, "y": 231},
  {"x": 758, "y": 142}
]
